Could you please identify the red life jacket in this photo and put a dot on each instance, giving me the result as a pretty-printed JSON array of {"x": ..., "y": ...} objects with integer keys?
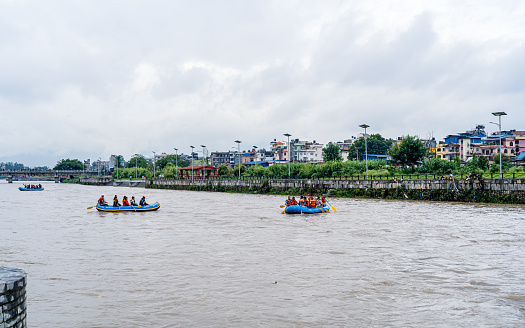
[{"x": 125, "y": 202}]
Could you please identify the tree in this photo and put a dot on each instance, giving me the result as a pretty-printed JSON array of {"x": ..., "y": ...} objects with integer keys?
[
  {"x": 408, "y": 152},
  {"x": 69, "y": 164},
  {"x": 119, "y": 161},
  {"x": 331, "y": 153},
  {"x": 375, "y": 144},
  {"x": 138, "y": 161},
  {"x": 173, "y": 159},
  {"x": 223, "y": 171}
]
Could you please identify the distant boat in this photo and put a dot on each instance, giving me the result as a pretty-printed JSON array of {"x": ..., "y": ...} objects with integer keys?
[
  {"x": 151, "y": 207},
  {"x": 30, "y": 189}
]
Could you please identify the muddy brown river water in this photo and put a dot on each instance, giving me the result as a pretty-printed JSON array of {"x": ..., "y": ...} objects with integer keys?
[{"x": 233, "y": 260}]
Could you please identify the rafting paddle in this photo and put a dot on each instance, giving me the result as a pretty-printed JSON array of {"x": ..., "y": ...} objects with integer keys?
[
  {"x": 90, "y": 207},
  {"x": 331, "y": 206}
]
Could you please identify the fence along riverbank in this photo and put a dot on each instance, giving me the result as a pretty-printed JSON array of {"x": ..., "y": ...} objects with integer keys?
[{"x": 467, "y": 189}]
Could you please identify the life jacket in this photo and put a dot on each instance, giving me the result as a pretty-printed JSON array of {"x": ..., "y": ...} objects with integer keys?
[
  {"x": 312, "y": 203},
  {"x": 101, "y": 201},
  {"x": 301, "y": 202},
  {"x": 293, "y": 202},
  {"x": 125, "y": 202},
  {"x": 287, "y": 202}
]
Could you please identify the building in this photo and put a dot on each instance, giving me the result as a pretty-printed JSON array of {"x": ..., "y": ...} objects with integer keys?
[
  {"x": 312, "y": 152},
  {"x": 222, "y": 158},
  {"x": 344, "y": 147}
]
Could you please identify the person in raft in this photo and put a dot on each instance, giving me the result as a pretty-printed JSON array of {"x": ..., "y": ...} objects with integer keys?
[
  {"x": 115, "y": 201},
  {"x": 288, "y": 201},
  {"x": 133, "y": 202},
  {"x": 102, "y": 201},
  {"x": 125, "y": 201},
  {"x": 293, "y": 201},
  {"x": 143, "y": 201}
]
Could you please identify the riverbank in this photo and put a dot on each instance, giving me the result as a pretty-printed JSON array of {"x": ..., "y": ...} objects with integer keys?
[{"x": 502, "y": 191}]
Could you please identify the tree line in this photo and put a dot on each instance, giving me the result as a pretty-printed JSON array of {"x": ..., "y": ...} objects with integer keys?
[{"x": 410, "y": 156}]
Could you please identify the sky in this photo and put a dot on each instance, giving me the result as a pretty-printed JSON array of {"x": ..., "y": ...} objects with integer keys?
[{"x": 88, "y": 79}]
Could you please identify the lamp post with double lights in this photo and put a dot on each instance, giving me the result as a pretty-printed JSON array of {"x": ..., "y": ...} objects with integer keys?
[
  {"x": 192, "y": 163},
  {"x": 364, "y": 126},
  {"x": 255, "y": 155},
  {"x": 205, "y": 161},
  {"x": 153, "y": 164},
  {"x": 136, "y": 165},
  {"x": 289, "y": 152},
  {"x": 499, "y": 115},
  {"x": 176, "y": 162},
  {"x": 239, "y": 152}
]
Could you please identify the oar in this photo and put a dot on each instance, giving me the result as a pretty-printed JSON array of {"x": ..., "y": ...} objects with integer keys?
[
  {"x": 331, "y": 205},
  {"x": 90, "y": 207},
  {"x": 283, "y": 206}
]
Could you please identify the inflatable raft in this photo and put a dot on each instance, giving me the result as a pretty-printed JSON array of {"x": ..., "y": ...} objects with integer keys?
[
  {"x": 150, "y": 207},
  {"x": 30, "y": 189},
  {"x": 297, "y": 209}
]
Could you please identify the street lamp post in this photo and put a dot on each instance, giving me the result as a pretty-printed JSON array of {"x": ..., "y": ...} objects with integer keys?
[
  {"x": 153, "y": 164},
  {"x": 364, "y": 126},
  {"x": 192, "y": 163},
  {"x": 255, "y": 155},
  {"x": 176, "y": 162},
  {"x": 136, "y": 165},
  {"x": 98, "y": 167},
  {"x": 289, "y": 152},
  {"x": 499, "y": 114},
  {"x": 205, "y": 161},
  {"x": 239, "y": 152}
]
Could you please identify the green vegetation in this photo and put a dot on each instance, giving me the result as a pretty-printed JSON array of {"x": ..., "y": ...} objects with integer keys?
[
  {"x": 69, "y": 164},
  {"x": 332, "y": 153},
  {"x": 375, "y": 144},
  {"x": 409, "y": 152}
]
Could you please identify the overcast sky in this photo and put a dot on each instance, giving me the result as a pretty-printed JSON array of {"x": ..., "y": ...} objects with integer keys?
[{"x": 87, "y": 79}]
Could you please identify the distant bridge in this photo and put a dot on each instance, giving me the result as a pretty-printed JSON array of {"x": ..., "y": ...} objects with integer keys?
[{"x": 57, "y": 174}]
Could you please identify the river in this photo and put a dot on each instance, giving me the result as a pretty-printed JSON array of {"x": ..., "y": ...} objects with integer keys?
[{"x": 233, "y": 260}]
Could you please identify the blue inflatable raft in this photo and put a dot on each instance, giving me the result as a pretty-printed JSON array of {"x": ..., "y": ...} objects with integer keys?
[
  {"x": 30, "y": 189},
  {"x": 150, "y": 207},
  {"x": 297, "y": 209}
]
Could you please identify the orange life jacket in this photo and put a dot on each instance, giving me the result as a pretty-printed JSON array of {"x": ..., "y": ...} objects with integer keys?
[
  {"x": 293, "y": 202},
  {"x": 312, "y": 202},
  {"x": 301, "y": 202}
]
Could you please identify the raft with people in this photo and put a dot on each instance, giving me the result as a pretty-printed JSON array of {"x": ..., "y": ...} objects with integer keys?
[
  {"x": 136, "y": 208},
  {"x": 31, "y": 188},
  {"x": 126, "y": 206},
  {"x": 306, "y": 205}
]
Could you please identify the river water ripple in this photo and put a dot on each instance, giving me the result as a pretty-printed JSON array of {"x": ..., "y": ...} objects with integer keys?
[{"x": 233, "y": 260}]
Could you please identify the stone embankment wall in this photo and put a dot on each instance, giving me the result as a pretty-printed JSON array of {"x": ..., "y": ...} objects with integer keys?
[
  {"x": 467, "y": 190},
  {"x": 12, "y": 298},
  {"x": 111, "y": 182}
]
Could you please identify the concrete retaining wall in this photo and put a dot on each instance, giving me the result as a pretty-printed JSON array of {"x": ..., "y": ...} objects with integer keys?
[
  {"x": 505, "y": 185},
  {"x": 12, "y": 298}
]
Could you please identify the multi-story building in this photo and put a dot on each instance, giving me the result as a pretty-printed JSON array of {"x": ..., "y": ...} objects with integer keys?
[
  {"x": 491, "y": 145},
  {"x": 312, "y": 152},
  {"x": 344, "y": 147},
  {"x": 222, "y": 158},
  {"x": 447, "y": 151}
]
